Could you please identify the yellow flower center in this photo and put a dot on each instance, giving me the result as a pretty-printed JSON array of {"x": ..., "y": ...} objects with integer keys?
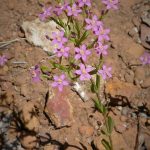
[
  {"x": 62, "y": 50},
  {"x": 82, "y": 52},
  {"x": 59, "y": 80},
  {"x": 83, "y": 71}
]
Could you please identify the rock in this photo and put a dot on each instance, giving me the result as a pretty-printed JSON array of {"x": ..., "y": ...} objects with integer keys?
[
  {"x": 130, "y": 136},
  {"x": 121, "y": 127},
  {"x": 123, "y": 118},
  {"x": 21, "y": 34},
  {"x": 4, "y": 70},
  {"x": 28, "y": 116},
  {"x": 140, "y": 73},
  {"x": 50, "y": 147},
  {"x": 29, "y": 142},
  {"x": 36, "y": 31},
  {"x": 136, "y": 21},
  {"x": 118, "y": 88},
  {"x": 129, "y": 76},
  {"x": 134, "y": 34},
  {"x": 146, "y": 18},
  {"x": 146, "y": 83},
  {"x": 133, "y": 53},
  {"x": 59, "y": 108},
  {"x": 25, "y": 90},
  {"x": 97, "y": 143},
  {"x": 86, "y": 131},
  {"x": 145, "y": 32},
  {"x": 11, "y": 4}
]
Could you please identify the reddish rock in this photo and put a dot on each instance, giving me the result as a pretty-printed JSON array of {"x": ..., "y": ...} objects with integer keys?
[{"x": 59, "y": 108}]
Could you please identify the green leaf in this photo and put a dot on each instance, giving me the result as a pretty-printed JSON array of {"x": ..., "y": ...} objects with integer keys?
[
  {"x": 58, "y": 22},
  {"x": 109, "y": 124},
  {"x": 45, "y": 69},
  {"x": 77, "y": 29},
  {"x": 61, "y": 67},
  {"x": 97, "y": 82},
  {"x": 46, "y": 76},
  {"x": 83, "y": 37},
  {"x": 73, "y": 40},
  {"x": 101, "y": 108},
  {"x": 106, "y": 144},
  {"x": 93, "y": 88}
]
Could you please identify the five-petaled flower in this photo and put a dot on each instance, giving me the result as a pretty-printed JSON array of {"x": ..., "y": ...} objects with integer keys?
[
  {"x": 73, "y": 11},
  {"x": 3, "y": 60},
  {"x": 82, "y": 52},
  {"x": 102, "y": 34},
  {"x": 93, "y": 24},
  {"x": 145, "y": 58},
  {"x": 47, "y": 12},
  {"x": 101, "y": 49},
  {"x": 58, "y": 39},
  {"x": 84, "y": 2},
  {"x": 59, "y": 82},
  {"x": 84, "y": 72},
  {"x": 111, "y": 4},
  {"x": 35, "y": 73},
  {"x": 63, "y": 51},
  {"x": 105, "y": 72}
]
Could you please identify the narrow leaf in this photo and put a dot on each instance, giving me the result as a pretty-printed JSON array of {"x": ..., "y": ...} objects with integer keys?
[
  {"x": 109, "y": 125},
  {"x": 106, "y": 144}
]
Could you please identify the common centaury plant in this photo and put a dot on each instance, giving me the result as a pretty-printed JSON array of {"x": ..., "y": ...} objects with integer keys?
[{"x": 82, "y": 34}]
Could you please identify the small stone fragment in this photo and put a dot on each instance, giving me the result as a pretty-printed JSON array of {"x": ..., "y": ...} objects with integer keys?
[
  {"x": 146, "y": 83},
  {"x": 36, "y": 31},
  {"x": 145, "y": 32},
  {"x": 29, "y": 142},
  {"x": 146, "y": 18},
  {"x": 121, "y": 127}
]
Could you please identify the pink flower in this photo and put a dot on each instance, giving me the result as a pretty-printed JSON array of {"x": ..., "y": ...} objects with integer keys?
[
  {"x": 58, "y": 10},
  {"x": 82, "y": 52},
  {"x": 3, "y": 60},
  {"x": 103, "y": 34},
  {"x": 59, "y": 81},
  {"x": 35, "y": 73},
  {"x": 45, "y": 14},
  {"x": 84, "y": 72},
  {"x": 101, "y": 49},
  {"x": 93, "y": 24},
  {"x": 84, "y": 2},
  {"x": 111, "y": 4},
  {"x": 73, "y": 11},
  {"x": 63, "y": 51},
  {"x": 105, "y": 72},
  {"x": 145, "y": 58},
  {"x": 58, "y": 39}
]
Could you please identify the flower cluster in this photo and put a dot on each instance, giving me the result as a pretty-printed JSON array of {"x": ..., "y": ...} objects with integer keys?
[
  {"x": 145, "y": 58},
  {"x": 3, "y": 60},
  {"x": 81, "y": 52}
]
